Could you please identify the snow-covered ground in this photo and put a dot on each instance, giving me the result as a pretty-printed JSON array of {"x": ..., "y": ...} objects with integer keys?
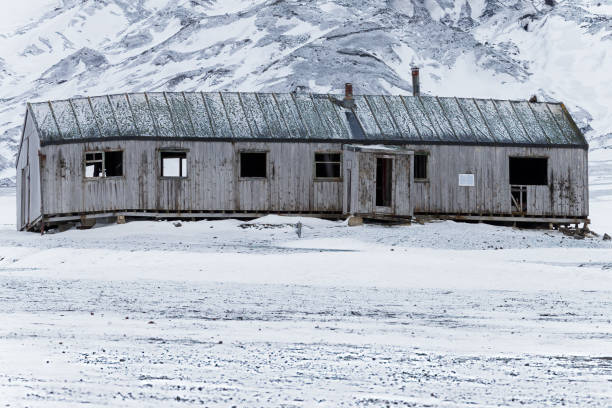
[
  {"x": 227, "y": 313},
  {"x": 600, "y": 189}
]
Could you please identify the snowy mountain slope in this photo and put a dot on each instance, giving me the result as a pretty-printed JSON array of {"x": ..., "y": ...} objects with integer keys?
[{"x": 52, "y": 49}]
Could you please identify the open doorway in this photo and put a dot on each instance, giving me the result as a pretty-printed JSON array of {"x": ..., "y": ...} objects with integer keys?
[
  {"x": 384, "y": 177},
  {"x": 523, "y": 172}
]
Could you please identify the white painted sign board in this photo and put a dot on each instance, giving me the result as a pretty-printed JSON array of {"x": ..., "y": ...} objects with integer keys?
[{"x": 466, "y": 180}]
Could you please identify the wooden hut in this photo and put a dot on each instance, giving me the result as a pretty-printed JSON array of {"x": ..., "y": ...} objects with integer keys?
[{"x": 229, "y": 154}]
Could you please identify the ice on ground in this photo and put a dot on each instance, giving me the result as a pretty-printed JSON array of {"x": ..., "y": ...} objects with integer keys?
[
  {"x": 600, "y": 190},
  {"x": 65, "y": 342},
  {"x": 214, "y": 313},
  {"x": 269, "y": 250},
  {"x": 292, "y": 220},
  {"x": 8, "y": 209}
]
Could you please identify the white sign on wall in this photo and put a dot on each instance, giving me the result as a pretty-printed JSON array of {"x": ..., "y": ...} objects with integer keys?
[{"x": 466, "y": 180}]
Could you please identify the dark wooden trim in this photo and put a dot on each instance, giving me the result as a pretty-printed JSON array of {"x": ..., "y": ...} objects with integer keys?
[{"x": 311, "y": 140}]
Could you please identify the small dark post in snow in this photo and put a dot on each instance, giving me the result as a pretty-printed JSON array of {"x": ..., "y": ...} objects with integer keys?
[
  {"x": 298, "y": 229},
  {"x": 416, "y": 82}
]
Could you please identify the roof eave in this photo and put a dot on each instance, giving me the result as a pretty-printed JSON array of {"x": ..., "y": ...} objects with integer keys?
[{"x": 315, "y": 140}]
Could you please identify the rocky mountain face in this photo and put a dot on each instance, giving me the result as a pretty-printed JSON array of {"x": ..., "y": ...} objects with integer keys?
[{"x": 508, "y": 49}]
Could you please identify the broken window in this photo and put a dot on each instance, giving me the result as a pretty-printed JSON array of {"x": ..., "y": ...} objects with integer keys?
[
  {"x": 529, "y": 171},
  {"x": 104, "y": 164},
  {"x": 384, "y": 177},
  {"x": 420, "y": 166},
  {"x": 327, "y": 165},
  {"x": 253, "y": 164},
  {"x": 94, "y": 164},
  {"x": 173, "y": 164},
  {"x": 113, "y": 163}
]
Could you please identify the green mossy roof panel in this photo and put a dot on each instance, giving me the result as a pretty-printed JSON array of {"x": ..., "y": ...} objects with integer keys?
[{"x": 316, "y": 117}]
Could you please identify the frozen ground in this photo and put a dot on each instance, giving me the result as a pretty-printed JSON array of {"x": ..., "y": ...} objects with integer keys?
[{"x": 224, "y": 314}]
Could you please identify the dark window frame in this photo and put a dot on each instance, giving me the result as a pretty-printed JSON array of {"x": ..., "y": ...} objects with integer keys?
[
  {"x": 339, "y": 163},
  {"x": 414, "y": 167},
  {"x": 268, "y": 167},
  {"x": 102, "y": 161},
  {"x": 160, "y": 156}
]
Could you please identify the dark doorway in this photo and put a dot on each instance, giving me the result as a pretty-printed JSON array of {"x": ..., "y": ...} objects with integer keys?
[
  {"x": 529, "y": 171},
  {"x": 384, "y": 177}
]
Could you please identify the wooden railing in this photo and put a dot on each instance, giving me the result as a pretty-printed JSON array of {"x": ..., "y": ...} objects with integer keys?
[{"x": 518, "y": 195}]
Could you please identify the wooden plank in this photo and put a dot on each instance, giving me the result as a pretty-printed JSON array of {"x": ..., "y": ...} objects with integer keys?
[{"x": 213, "y": 183}]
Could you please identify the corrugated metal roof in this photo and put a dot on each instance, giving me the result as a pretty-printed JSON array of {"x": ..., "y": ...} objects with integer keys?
[{"x": 374, "y": 118}]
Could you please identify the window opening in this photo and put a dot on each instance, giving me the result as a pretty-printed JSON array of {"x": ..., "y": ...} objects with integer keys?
[
  {"x": 113, "y": 164},
  {"x": 384, "y": 175},
  {"x": 94, "y": 164},
  {"x": 174, "y": 164},
  {"x": 420, "y": 166},
  {"x": 327, "y": 165},
  {"x": 253, "y": 164},
  {"x": 104, "y": 164},
  {"x": 528, "y": 171}
]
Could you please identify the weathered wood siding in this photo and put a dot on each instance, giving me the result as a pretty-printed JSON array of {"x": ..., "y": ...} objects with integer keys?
[
  {"x": 565, "y": 195},
  {"x": 213, "y": 182},
  {"x": 28, "y": 176}
]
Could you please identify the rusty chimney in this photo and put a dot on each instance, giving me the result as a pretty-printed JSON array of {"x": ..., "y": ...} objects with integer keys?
[
  {"x": 348, "y": 101},
  {"x": 348, "y": 91},
  {"x": 416, "y": 82}
]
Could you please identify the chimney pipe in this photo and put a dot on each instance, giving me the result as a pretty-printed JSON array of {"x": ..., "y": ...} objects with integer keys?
[
  {"x": 416, "y": 83},
  {"x": 348, "y": 91},
  {"x": 348, "y": 101}
]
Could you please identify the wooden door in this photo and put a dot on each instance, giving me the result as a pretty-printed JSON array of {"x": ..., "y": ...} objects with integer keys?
[{"x": 378, "y": 182}]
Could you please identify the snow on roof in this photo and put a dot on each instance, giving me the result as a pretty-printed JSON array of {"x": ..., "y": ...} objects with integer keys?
[{"x": 317, "y": 117}]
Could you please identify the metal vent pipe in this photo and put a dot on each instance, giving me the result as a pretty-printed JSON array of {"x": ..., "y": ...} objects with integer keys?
[{"x": 416, "y": 83}]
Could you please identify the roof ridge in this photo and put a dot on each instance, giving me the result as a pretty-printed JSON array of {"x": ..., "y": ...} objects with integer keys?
[{"x": 77, "y": 97}]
